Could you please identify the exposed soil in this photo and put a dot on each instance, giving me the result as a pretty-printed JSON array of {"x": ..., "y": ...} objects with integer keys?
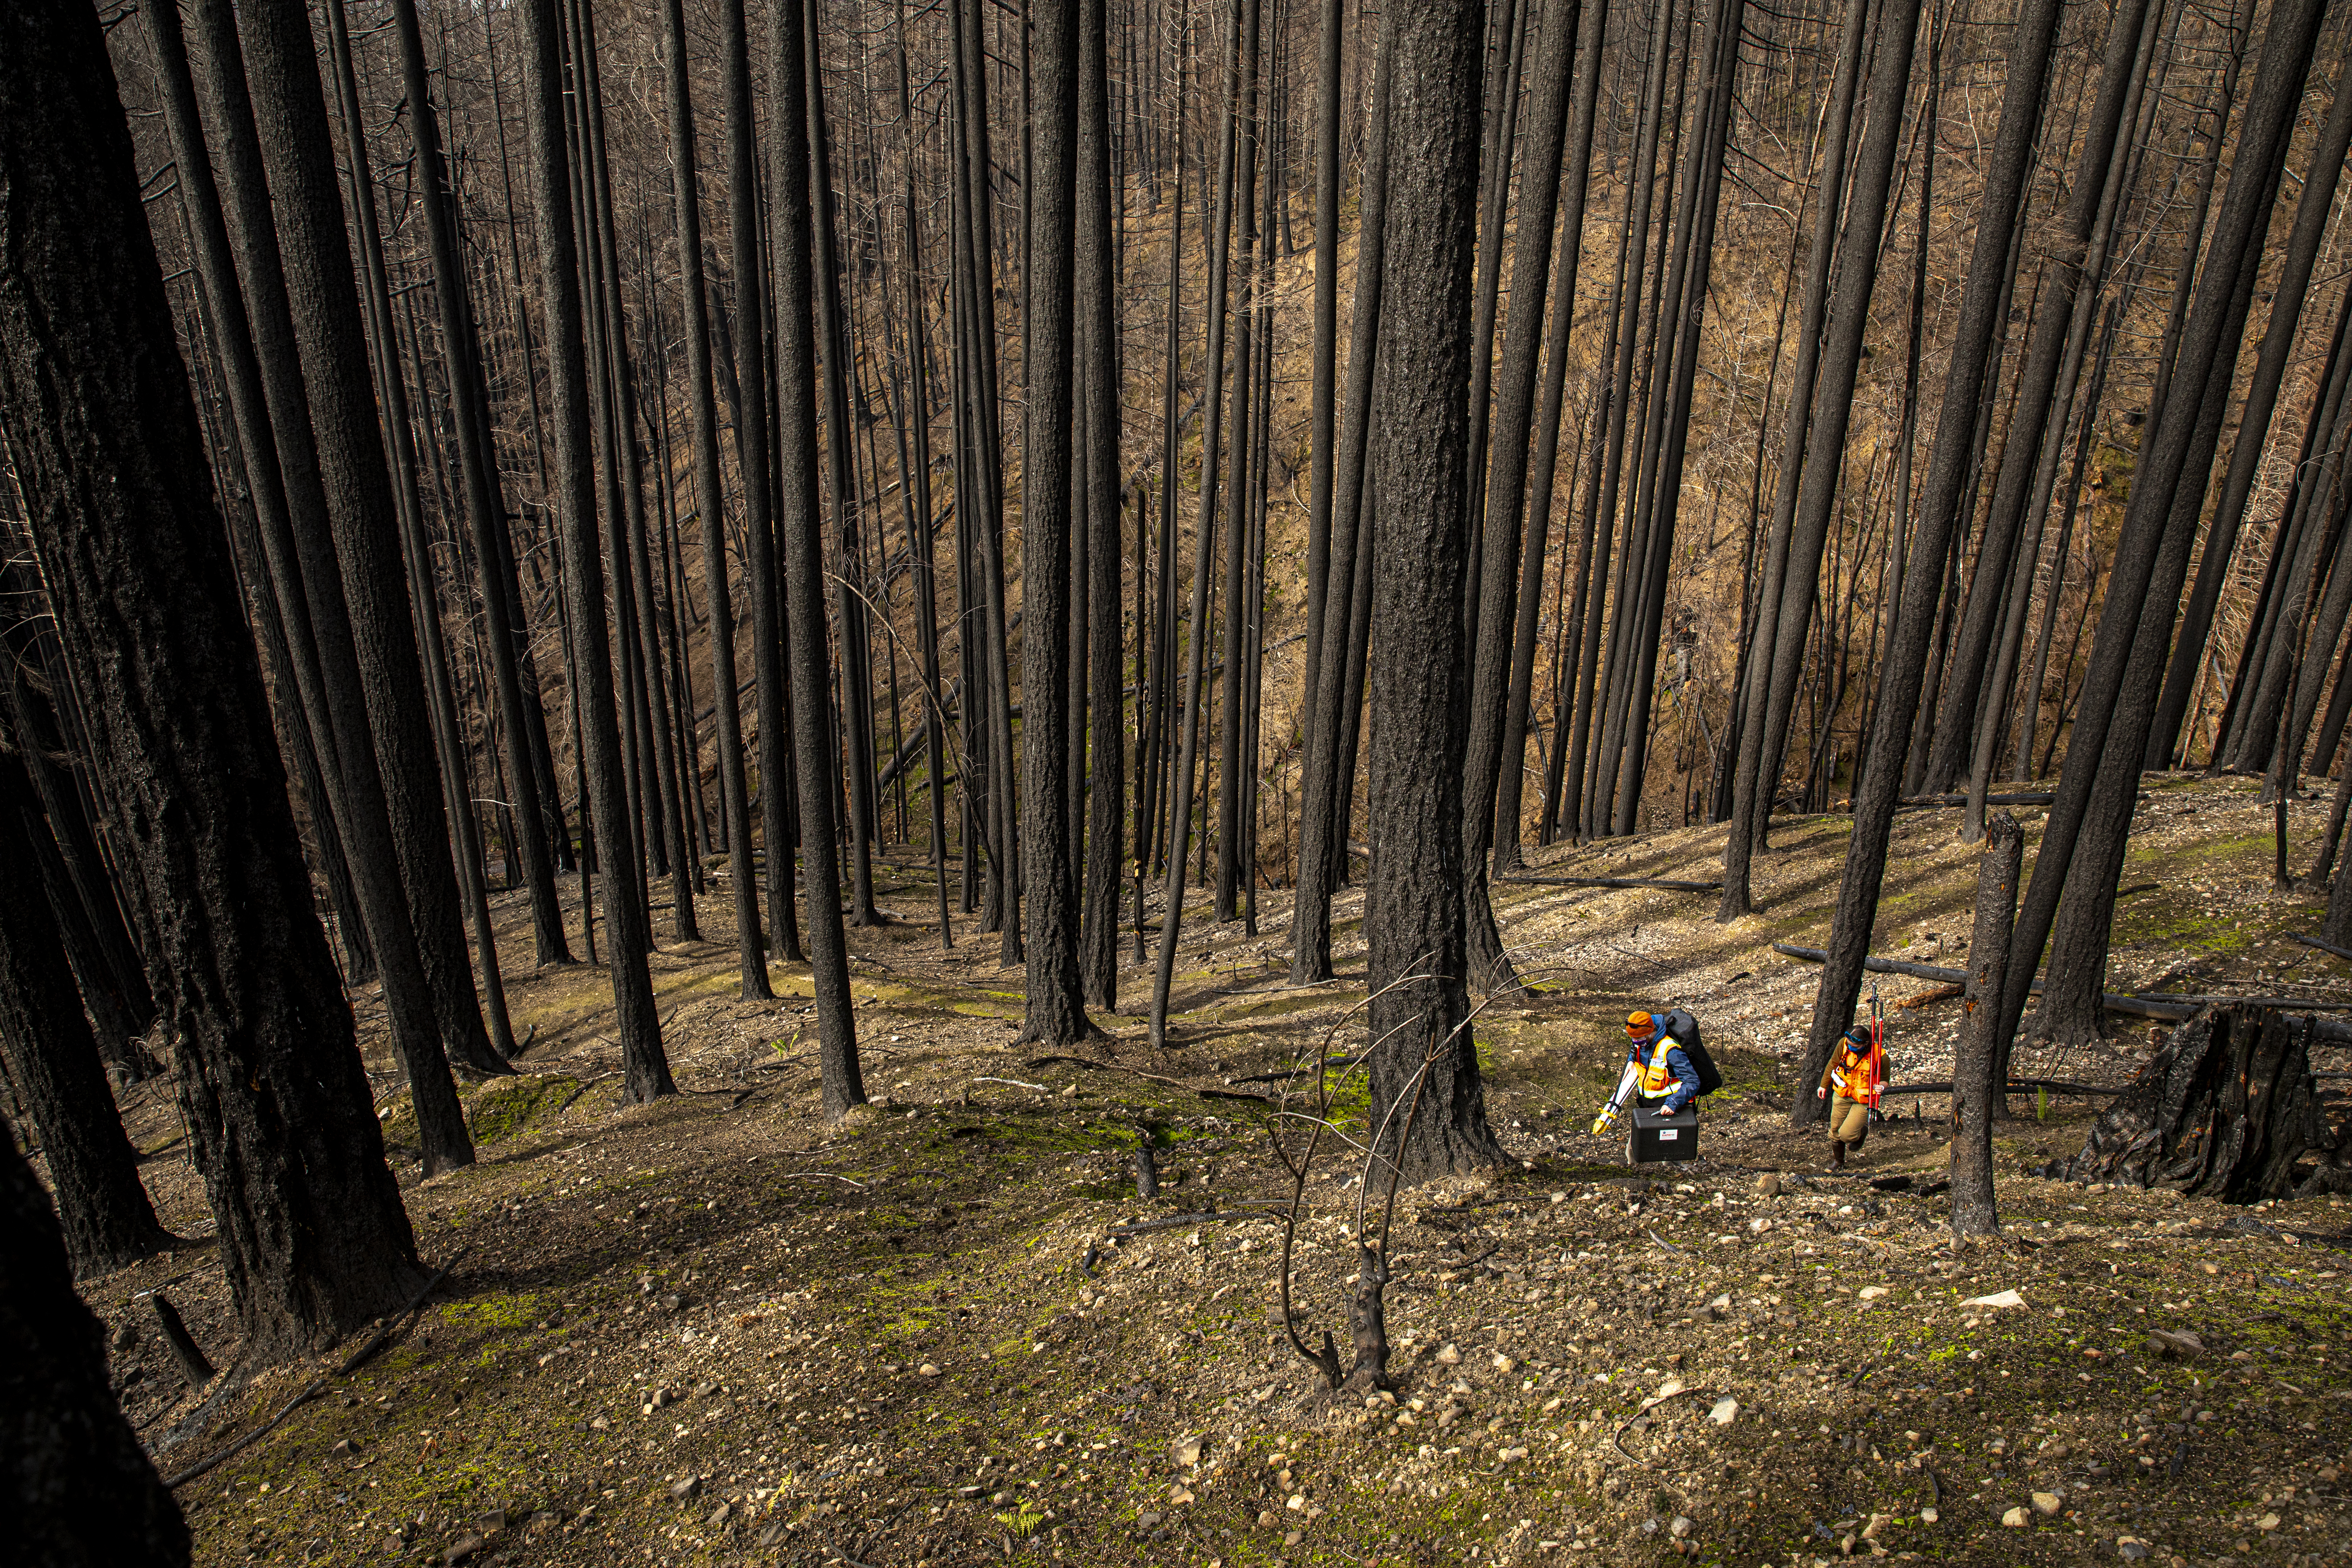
[{"x": 717, "y": 1330}]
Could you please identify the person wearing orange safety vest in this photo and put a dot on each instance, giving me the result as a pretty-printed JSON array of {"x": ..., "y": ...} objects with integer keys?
[
  {"x": 1851, "y": 1083},
  {"x": 1657, "y": 1071}
]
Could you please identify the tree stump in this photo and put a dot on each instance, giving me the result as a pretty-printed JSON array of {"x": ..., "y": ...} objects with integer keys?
[{"x": 2224, "y": 1109}]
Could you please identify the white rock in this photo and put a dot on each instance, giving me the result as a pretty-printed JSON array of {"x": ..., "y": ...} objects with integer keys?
[
  {"x": 2016, "y": 1519},
  {"x": 1726, "y": 1411},
  {"x": 1999, "y": 1299},
  {"x": 1449, "y": 1356},
  {"x": 1873, "y": 1292}
]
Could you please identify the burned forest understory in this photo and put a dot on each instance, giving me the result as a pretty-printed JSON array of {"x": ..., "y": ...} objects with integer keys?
[{"x": 725, "y": 1328}]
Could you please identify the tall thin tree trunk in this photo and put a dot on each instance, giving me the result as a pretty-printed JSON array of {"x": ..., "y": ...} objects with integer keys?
[
  {"x": 795, "y": 213},
  {"x": 734, "y": 792},
  {"x": 1097, "y": 322},
  {"x": 639, "y": 1024},
  {"x": 1980, "y": 319}
]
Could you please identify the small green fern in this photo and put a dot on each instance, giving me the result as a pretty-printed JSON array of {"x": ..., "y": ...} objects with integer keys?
[{"x": 1022, "y": 1522}]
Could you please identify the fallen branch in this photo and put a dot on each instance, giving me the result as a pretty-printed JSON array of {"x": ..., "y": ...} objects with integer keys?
[
  {"x": 351, "y": 1363},
  {"x": 1206, "y": 1217},
  {"x": 1015, "y": 1082},
  {"x": 1927, "y": 802},
  {"x": 1104, "y": 1067},
  {"x": 1648, "y": 1405},
  {"x": 1941, "y": 994},
  {"x": 2169, "y": 1008},
  {"x": 2322, "y": 946},
  {"x": 1667, "y": 882},
  {"x": 2016, "y": 1086}
]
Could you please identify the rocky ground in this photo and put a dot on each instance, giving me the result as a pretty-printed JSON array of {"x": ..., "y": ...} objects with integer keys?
[{"x": 717, "y": 1330}]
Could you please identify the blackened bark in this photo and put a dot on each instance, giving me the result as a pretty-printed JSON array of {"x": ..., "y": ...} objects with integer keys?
[
  {"x": 917, "y": 402},
  {"x": 752, "y": 458},
  {"x": 710, "y": 493},
  {"x": 1978, "y": 1066},
  {"x": 1496, "y": 622},
  {"x": 1841, "y": 358},
  {"x": 2082, "y": 850},
  {"x": 81, "y": 1493},
  {"x": 296, "y": 147},
  {"x": 1511, "y": 770},
  {"x": 1234, "y": 771},
  {"x": 1190, "y": 721},
  {"x": 856, "y": 677},
  {"x": 1329, "y": 170},
  {"x": 1949, "y": 467},
  {"x": 792, "y": 212},
  {"x": 313, "y": 1240},
  {"x": 646, "y": 1068},
  {"x": 2055, "y": 320},
  {"x": 1413, "y": 925},
  {"x": 103, "y": 1211},
  {"x": 308, "y": 578},
  {"x": 1055, "y": 1013},
  {"x": 2224, "y": 1109},
  {"x": 2312, "y": 209},
  {"x": 1106, "y": 782},
  {"x": 1327, "y": 773},
  {"x": 476, "y": 463},
  {"x": 1752, "y": 787}
]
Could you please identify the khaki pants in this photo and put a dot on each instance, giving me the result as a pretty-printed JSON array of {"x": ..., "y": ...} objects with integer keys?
[{"x": 1849, "y": 1122}]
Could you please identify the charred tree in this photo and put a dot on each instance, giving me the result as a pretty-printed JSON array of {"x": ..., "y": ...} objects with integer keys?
[
  {"x": 709, "y": 494},
  {"x": 313, "y": 1238},
  {"x": 1420, "y": 1019},
  {"x": 792, "y": 212},
  {"x": 1979, "y": 1066},
  {"x": 104, "y": 1211},
  {"x": 571, "y": 496},
  {"x": 81, "y": 1490},
  {"x": 1950, "y": 463},
  {"x": 1098, "y": 324}
]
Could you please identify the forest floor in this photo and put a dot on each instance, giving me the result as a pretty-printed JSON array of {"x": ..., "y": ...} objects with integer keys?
[{"x": 718, "y": 1329}]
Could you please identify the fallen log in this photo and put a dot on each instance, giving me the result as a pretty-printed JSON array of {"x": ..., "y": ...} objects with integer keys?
[
  {"x": 1928, "y": 802},
  {"x": 2172, "y": 1007},
  {"x": 2223, "y": 1110},
  {"x": 1666, "y": 883},
  {"x": 2016, "y": 1086},
  {"x": 2322, "y": 946},
  {"x": 1877, "y": 965}
]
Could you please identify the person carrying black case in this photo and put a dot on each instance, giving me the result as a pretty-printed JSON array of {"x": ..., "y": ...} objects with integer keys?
[{"x": 1667, "y": 1070}]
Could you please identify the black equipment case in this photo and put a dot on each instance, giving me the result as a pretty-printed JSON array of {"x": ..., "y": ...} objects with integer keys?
[{"x": 1656, "y": 1136}]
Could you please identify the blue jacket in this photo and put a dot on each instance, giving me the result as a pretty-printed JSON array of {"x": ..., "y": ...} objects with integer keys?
[{"x": 1678, "y": 1064}]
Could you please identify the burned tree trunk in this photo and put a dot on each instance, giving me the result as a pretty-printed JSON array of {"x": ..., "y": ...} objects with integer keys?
[
  {"x": 2224, "y": 1110},
  {"x": 1977, "y": 1066},
  {"x": 103, "y": 1210},
  {"x": 313, "y": 1238},
  {"x": 78, "y": 1488},
  {"x": 1414, "y": 929}
]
